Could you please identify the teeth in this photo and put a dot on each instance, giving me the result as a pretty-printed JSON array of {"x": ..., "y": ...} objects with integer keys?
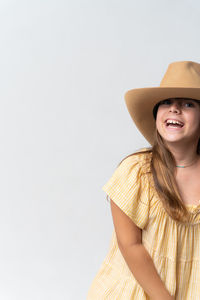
[{"x": 174, "y": 122}]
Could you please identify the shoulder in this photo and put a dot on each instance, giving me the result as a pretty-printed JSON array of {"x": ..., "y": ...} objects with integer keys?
[
  {"x": 129, "y": 187},
  {"x": 139, "y": 161}
]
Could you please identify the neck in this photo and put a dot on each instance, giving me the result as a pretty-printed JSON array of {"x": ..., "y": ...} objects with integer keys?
[{"x": 184, "y": 155}]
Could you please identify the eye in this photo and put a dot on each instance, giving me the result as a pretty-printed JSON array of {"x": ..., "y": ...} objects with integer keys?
[
  {"x": 188, "y": 104},
  {"x": 165, "y": 102}
]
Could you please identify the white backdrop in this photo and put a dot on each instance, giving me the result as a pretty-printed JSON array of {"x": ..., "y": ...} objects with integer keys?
[{"x": 64, "y": 127}]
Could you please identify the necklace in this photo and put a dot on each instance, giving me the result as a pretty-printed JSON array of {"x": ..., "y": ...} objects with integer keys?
[{"x": 188, "y": 165}]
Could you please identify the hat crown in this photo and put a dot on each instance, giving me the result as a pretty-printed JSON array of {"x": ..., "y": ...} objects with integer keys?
[{"x": 182, "y": 74}]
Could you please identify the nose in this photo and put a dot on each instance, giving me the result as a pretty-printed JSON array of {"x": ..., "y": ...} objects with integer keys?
[{"x": 174, "y": 107}]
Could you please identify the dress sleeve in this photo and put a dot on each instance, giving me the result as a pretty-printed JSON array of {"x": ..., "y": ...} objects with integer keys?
[{"x": 129, "y": 188}]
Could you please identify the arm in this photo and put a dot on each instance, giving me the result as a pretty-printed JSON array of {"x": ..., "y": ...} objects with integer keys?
[{"x": 129, "y": 238}]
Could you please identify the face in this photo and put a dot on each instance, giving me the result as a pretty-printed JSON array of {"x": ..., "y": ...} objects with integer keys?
[{"x": 178, "y": 120}]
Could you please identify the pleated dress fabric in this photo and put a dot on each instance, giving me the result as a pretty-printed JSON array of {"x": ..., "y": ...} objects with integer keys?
[{"x": 174, "y": 246}]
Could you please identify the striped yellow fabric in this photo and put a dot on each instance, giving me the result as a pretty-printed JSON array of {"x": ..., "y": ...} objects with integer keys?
[{"x": 173, "y": 246}]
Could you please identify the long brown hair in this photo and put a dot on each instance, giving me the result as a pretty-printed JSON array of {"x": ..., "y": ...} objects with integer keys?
[{"x": 162, "y": 166}]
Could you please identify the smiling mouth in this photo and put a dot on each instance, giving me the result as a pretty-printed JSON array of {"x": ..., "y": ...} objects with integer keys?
[{"x": 173, "y": 124}]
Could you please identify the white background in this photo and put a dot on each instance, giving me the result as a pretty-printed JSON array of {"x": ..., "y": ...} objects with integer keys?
[{"x": 64, "y": 127}]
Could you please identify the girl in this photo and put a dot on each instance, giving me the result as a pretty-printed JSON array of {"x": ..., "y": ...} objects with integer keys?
[{"x": 155, "y": 197}]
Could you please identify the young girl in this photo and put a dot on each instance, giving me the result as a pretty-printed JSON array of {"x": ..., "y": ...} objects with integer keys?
[{"x": 155, "y": 197}]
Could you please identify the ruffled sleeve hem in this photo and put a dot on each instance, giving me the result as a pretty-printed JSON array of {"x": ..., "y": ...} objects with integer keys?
[{"x": 129, "y": 188}]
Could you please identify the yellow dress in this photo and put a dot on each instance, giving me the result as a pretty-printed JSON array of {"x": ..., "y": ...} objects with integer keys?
[{"x": 173, "y": 246}]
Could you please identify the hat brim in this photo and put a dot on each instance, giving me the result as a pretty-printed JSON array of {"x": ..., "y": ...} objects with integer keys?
[{"x": 140, "y": 104}]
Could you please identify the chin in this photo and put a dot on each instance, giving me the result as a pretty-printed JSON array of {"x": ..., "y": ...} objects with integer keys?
[{"x": 172, "y": 139}]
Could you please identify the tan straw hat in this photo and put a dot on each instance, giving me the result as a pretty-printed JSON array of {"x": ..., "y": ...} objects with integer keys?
[{"x": 181, "y": 80}]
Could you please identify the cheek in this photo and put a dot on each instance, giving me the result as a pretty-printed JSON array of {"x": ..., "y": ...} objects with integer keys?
[
  {"x": 157, "y": 123},
  {"x": 159, "y": 126},
  {"x": 199, "y": 126},
  {"x": 195, "y": 121},
  {"x": 159, "y": 118},
  {"x": 194, "y": 124},
  {"x": 199, "y": 120}
]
